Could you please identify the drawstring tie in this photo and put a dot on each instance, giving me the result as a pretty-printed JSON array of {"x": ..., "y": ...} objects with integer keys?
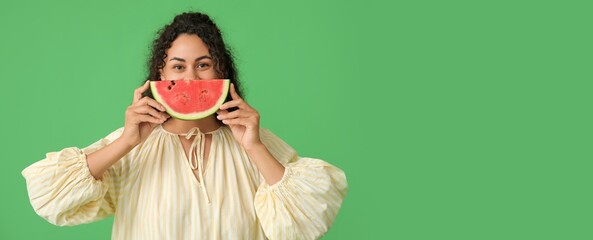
[{"x": 196, "y": 159}]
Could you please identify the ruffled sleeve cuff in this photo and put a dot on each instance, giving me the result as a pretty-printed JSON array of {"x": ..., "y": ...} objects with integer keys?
[
  {"x": 304, "y": 203},
  {"x": 62, "y": 190}
]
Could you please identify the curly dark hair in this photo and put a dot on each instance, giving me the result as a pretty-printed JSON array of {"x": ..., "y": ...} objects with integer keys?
[{"x": 198, "y": 24}]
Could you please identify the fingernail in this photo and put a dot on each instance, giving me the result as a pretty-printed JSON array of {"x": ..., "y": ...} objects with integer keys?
[{"x": 218, "y": 116}]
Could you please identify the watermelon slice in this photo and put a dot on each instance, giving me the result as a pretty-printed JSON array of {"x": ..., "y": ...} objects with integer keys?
[{"x": 190, "y": 99}]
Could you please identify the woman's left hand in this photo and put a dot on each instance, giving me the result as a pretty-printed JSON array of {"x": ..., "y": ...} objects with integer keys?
[{"x": 244, "y": 122}]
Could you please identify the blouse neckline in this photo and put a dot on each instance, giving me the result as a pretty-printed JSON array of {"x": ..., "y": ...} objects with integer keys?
[
  {"x": 192, "y": 131},
  {"x": 196, "y": 152}
]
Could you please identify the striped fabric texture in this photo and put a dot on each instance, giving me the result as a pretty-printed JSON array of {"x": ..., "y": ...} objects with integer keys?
[{"x": 153, "y": 193}]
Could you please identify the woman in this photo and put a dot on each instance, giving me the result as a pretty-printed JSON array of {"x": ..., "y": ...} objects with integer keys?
[{"x": 221, "y": 177}]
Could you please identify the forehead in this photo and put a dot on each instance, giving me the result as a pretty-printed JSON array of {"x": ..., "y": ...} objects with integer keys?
[{"x": 188, "y": 47}]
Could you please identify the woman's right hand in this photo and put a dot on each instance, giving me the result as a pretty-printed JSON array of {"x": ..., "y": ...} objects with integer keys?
[{"x": 142, "y": 116}]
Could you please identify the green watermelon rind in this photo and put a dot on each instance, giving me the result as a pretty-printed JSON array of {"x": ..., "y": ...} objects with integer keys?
[{"x": 195, "y": 116}]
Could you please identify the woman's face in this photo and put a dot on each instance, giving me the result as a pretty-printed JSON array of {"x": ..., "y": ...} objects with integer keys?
[{"x": 188, "y": 59}]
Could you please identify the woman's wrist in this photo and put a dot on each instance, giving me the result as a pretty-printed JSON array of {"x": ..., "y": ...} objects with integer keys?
[
  {"x": 127, "y": 143},
  {"x": 258, "y": 146},
  {"x": 266, "y": 163}
]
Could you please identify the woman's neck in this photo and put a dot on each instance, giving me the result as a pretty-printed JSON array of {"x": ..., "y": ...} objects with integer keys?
[{"x": 179, "y": 126}]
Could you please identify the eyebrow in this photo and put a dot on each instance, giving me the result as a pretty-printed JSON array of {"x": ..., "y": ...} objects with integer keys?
[{"x": 183, "y": 60}]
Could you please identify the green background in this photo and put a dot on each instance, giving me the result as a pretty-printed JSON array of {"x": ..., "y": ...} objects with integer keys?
[{"x": 452, "y": 119}]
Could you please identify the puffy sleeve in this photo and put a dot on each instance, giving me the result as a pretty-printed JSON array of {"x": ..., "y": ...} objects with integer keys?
[
  {"x": 305, "y": 202},
  {"x": 63, "y": 191}
]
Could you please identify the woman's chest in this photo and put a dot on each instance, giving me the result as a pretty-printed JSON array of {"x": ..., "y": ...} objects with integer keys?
[{"x": 165, "y": 179}]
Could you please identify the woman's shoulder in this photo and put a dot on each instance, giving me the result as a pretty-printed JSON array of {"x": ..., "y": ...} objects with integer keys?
[
  {"x": 115, "y": 134},
  {"x": 281, "y": 150},
  {"x": 107, "y": 139},
  {"x": 268, "y": 137}
]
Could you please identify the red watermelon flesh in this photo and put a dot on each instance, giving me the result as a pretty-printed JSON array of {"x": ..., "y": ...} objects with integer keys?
[{"x": 190, "y": 99}]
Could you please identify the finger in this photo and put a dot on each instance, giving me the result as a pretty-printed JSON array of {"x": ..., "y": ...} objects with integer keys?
[
  {"x": 150, "y": 119},
  {"x": 153, "y": 103},
  {"x": 236, "y": 121},
  {"x": 138, "y": 92},
  {"x": 222, "y": 112},
  {"x": 247, "y": 121},
  {"x": 229, "y": 104},
  {"x": 234, "y": 94},
  {"x": 235, "y": 114},
  {"x": 151, "y": 111},
  {"x": 235, "y": 103}
]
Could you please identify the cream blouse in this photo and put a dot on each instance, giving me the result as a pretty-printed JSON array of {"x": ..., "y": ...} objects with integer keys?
[{"x": 154, "y": 194}]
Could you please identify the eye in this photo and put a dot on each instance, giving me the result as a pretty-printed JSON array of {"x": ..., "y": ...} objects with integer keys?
[
  {"x": 203, "y": 65},
  {"x": 178, "y": 67}
]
